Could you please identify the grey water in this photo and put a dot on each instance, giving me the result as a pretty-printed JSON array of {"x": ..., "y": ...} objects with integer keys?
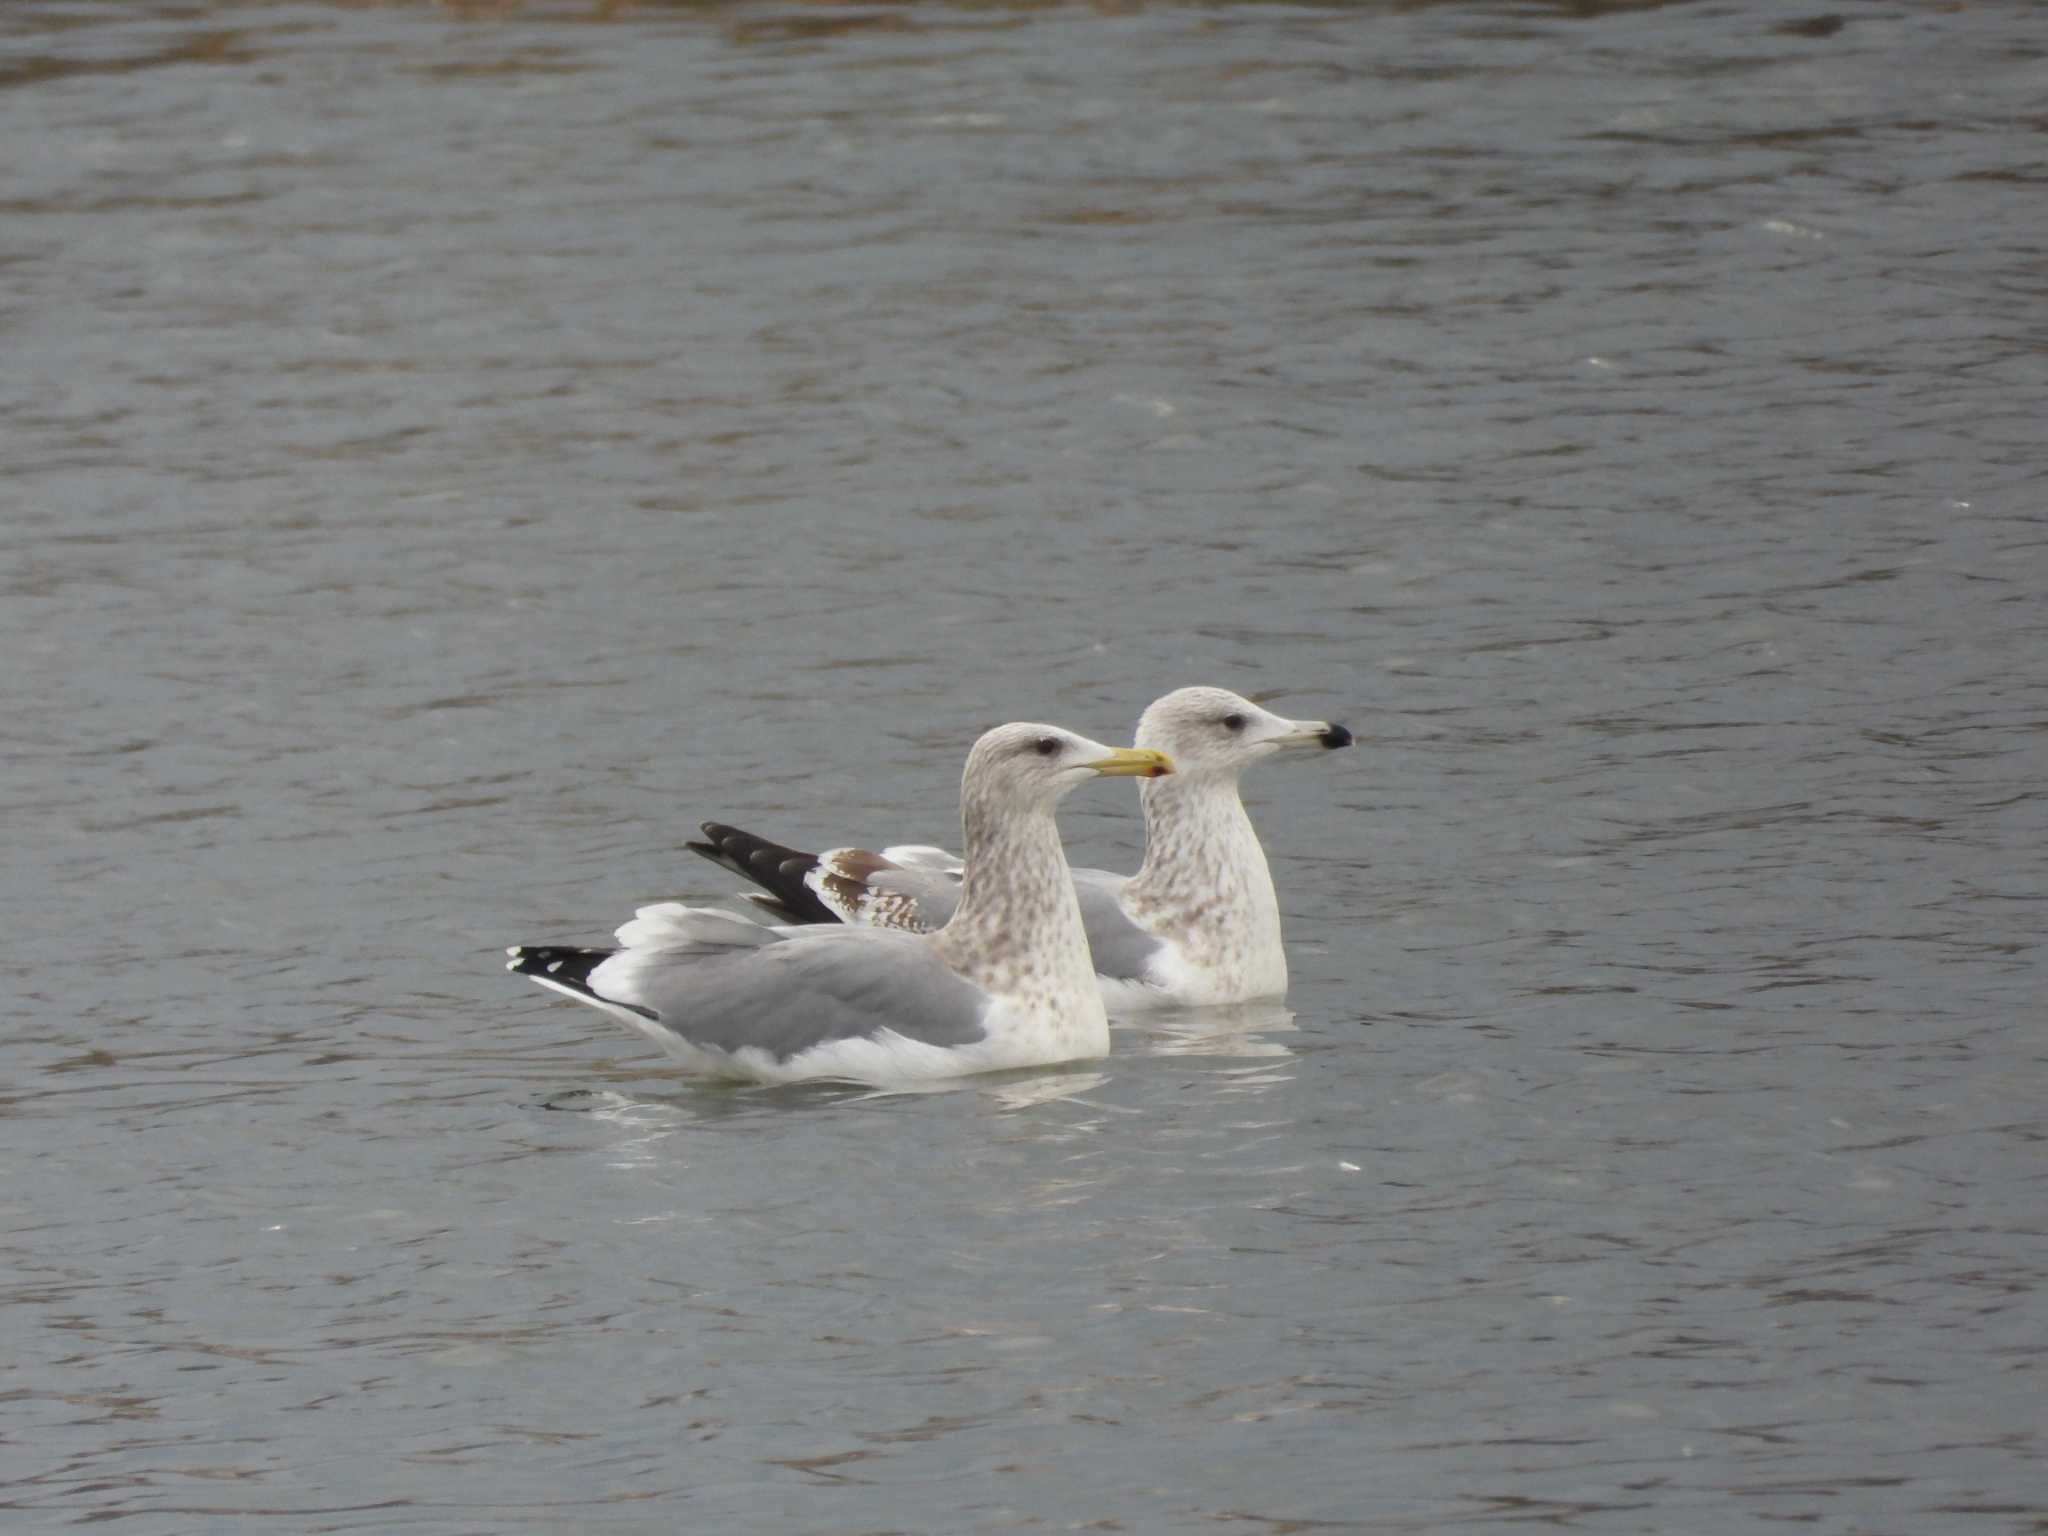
[{"x": 448, "y": 451}]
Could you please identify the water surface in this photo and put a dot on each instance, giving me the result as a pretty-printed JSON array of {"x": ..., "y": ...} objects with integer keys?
[{"x": 450, "y": 451}]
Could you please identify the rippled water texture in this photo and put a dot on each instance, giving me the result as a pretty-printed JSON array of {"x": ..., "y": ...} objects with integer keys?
[{"x": 450, "y": 451}]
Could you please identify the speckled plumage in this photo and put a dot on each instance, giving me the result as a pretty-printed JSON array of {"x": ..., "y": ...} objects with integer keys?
[
  {"x": 1199, "y": 923},
  {"x": 1206, "y": 892},
  {"x": 1017, "y": 932}
]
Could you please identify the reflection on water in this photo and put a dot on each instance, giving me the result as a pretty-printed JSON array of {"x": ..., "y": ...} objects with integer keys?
[
  {"x": 698, "y": 1100},
  {"x": 452, "y": 450},
  {"x": 1025, "y": 1090},
  {"x": 1236, "y": 1030}
]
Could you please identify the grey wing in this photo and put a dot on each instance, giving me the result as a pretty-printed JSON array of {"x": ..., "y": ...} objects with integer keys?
[
  {"x": 1122, "y": 949},
  {"x": 816, "y": 986}
]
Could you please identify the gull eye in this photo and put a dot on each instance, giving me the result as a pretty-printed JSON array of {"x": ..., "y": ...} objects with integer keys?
[
  {"x": 1047, "y": 746},
  {"x": 1234, "y": 722}
]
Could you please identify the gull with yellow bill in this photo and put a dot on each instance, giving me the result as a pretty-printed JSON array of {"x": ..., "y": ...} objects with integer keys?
[{"x": 1006, "y": 982}]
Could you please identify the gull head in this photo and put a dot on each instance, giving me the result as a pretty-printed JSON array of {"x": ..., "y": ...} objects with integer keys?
[
  {"x": 1214, "y": 731},
  {"x": 1038, "y": 765}
]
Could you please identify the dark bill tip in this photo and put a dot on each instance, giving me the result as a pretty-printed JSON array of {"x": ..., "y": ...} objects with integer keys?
[{"x": 1336, "y": 736}]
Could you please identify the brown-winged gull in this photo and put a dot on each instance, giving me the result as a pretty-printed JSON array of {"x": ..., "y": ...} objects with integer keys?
[
  {"x": 1197, "y": 924},
  {"x": 1006, "y": 982}
]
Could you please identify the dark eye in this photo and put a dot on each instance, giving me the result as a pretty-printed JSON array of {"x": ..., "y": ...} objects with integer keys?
[
  {"x": 1047, "y": 746},
  {"x": 1234, "y": 722}
]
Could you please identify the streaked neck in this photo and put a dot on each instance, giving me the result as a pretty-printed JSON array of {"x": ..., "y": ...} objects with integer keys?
[
  {"x": 1205, "y": 879},
  {"x": 1018, "y": 928}
]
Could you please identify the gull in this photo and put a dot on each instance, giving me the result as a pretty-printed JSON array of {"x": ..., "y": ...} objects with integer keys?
[
  {"x": 1198, "y": 924},
  {"x": 1005, "y": 982}
]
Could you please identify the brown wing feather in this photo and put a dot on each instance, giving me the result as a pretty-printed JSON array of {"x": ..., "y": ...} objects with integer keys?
[{"x": 841, "y": 881}]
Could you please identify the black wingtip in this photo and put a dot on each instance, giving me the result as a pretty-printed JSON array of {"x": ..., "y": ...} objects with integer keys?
[
  {"x": 776, "y": 869},
  {"x": 566, "y": 965},
  {"x": 1337, "y": 736}
]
